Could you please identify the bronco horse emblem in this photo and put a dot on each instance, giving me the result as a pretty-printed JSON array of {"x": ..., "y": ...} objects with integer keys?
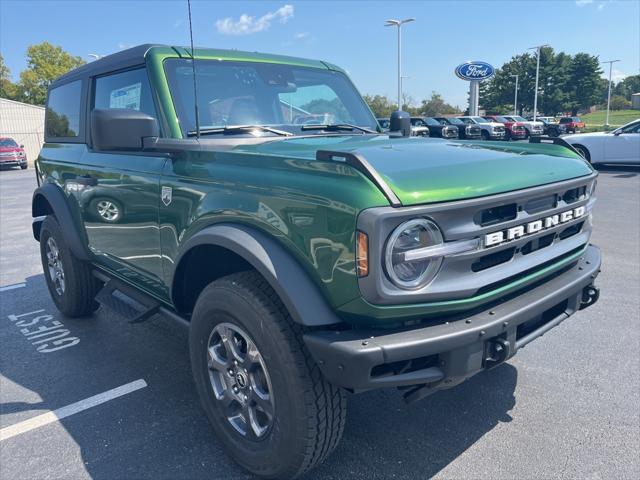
[{"x": 166, "y": 195}]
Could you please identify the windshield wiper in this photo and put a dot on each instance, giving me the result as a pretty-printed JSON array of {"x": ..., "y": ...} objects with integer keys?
[
  {"x": 336, "y": 127},
  {"x": 230, "y": 130}
]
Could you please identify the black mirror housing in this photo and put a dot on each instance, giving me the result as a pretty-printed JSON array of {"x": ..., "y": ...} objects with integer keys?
[
  {"x": 400, "y": 122},
  {"x": 121, "y": 129}
]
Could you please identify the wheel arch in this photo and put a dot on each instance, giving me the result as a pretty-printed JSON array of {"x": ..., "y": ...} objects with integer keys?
[
  {"x": 585, "y": 148},
  {"x": 50, "y": 200},
  {"x": 223, "y": 249}
]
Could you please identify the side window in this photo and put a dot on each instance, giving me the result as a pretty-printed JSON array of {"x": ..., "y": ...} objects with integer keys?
[
  {"x": 129, "y": 90},
  {"x": 63, "y": 111},
  {"x": 633, "y": 128}
]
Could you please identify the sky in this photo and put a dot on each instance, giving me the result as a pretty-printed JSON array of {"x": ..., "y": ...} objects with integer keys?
[{"x": 350, "y": 34}]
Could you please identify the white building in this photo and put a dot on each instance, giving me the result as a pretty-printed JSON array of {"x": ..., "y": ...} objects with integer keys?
[{"x": 24, "y": 123}]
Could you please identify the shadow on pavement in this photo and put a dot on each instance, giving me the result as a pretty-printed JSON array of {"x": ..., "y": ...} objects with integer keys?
[{"x": 161, "y": 431}]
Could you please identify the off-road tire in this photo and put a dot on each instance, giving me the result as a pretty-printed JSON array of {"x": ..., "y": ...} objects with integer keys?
[
  {"x": 309, "y": 412},
  {"x": 81, "y": 287}
]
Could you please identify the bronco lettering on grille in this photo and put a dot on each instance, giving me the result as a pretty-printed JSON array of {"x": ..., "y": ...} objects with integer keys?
[{"x": 514, "y": 233}]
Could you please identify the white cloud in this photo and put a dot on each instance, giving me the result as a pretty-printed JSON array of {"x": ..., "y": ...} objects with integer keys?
[
  {"x": 616, "y": 75},
  {"x": 301, "y": 35},
  {"x": 247, "y": 24},
  {"x": 582, "y": 3}
]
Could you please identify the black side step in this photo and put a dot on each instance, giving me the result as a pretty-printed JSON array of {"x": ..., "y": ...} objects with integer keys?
[{"x": 127, "y": 302}]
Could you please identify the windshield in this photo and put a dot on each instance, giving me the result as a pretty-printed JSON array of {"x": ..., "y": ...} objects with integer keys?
[
  {"x": 282, "y": 96},
  {"x": 7, "y": 142},
  {"x": 519, "y": 119},
  {"x": 480, "y": 120},
  {"x": 452, "y": 121}
]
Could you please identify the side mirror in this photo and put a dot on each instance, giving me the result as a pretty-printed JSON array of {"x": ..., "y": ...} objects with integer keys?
[
  {"x": 21, "y": 146},
  {"x": 617, "y": 132},
  {"x": 400, "y": 122},
  {"x": 121, "y": 129}
]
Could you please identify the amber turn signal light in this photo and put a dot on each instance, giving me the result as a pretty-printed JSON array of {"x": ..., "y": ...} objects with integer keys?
[{"x": 362, "y": 254}]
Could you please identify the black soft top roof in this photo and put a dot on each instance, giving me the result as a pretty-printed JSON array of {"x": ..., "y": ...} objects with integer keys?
[{"x": 116, "y": 61}]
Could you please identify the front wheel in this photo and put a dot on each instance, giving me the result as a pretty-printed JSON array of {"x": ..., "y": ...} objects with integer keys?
[
  {"x": 24, "y": 167},
  {"x": 262, "y": 392},
  {"x": 485, "y": 135}
]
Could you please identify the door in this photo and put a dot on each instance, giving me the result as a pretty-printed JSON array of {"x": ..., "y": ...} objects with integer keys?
[
  {"x": 625, "y": 146},
  {"x": 121, "y": 190}
]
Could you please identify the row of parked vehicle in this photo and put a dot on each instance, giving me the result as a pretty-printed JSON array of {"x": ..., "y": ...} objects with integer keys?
[{"x": 489, "y": 127}]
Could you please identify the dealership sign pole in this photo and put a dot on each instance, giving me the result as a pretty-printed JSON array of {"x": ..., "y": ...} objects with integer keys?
[{"x": 474, "y": 73}]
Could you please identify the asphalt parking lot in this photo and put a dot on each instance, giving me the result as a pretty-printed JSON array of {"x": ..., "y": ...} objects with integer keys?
[{"x": 567, "y": 406}]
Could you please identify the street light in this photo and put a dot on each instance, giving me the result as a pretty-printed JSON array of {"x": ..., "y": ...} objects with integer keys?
[
  {"x": 515, "y": 101},
  {"x": 399, "y": 23},
  {"x": 535, "y": 95},
  {"x": 610, "y": 62}
]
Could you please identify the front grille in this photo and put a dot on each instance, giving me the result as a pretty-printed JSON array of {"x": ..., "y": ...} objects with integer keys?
[
  {"x": 499, "y": 129},
  {"x": 487, "y": 268}
]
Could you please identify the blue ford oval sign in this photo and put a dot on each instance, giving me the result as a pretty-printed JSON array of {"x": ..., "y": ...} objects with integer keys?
[{"x": 475, "y": 71}]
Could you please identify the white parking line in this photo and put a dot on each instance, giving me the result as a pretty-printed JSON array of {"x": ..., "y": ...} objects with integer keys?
[
  {"x": 60, "y": 413},
  {"x": 11, "y": 287}
]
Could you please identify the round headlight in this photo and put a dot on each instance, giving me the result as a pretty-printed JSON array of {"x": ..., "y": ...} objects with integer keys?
[{"x": 412, "y": 235}]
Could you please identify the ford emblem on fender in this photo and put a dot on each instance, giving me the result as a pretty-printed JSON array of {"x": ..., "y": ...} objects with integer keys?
[{"x": 475, "y": 71}]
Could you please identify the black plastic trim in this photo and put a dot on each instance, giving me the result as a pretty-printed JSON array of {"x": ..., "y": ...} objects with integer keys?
[
  {"x": 553, "y": 140},
  {"x": 347, "y": 358},
  {"x": 55, "y": 197},
  {"x": 291, "y": 282}
]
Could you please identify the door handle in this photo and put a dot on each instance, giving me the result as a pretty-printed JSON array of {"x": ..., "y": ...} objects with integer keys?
[{"x": 87, "y": 180}]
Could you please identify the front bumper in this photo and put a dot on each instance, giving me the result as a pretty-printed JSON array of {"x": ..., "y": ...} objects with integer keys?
[
  {"x": 497, "y": 135},
  {"x": 449, "y": 351},
  {"x": 13, "y": 162}
]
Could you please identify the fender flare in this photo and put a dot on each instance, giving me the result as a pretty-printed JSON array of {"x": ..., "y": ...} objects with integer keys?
[
  {"x": 280, "y": 269},
  {"x": 56, "y": 199}
]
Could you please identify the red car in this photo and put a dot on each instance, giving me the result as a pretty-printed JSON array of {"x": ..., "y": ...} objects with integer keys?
[
  {"x": 513, "y": 130},
  {"x": 571, "y": 124},
  {"x": 12, "y": 154}
]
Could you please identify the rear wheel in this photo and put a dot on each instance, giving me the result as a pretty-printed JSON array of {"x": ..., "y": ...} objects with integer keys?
[
  {"x": 262, "y": 392},
  {"x": 583, "y": 151},
  {"x": 72, "y": 286}
]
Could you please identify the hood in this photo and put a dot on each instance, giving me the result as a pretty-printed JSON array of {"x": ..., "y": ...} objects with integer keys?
[
  {"x": 584, "y": 135},
  {"x": 11, "y": 149},
  {"x": 427, "y": 170}
]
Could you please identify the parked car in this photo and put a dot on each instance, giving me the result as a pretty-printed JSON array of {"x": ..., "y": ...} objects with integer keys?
[
  {"x": 571, "y": 124},
  {"x": 513, "y": 130},
  {"x": 467, "y": 132},
  {"x": 550, "y": 128},
  {"x": 308, "y": 260},
  {"x": 622, "y": 145},
  {"x": 12, "y": 154},
  {"x": 436, "y": 129},
  {"x": 490, "y": 130},
  {"x": 416, "y": 130},
  {"x": 533, "y": 129}
]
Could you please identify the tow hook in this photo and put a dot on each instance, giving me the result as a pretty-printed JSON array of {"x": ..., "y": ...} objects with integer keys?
[
  {"x": 590, "y": 295},
  {"x": 498, "y": 350}
]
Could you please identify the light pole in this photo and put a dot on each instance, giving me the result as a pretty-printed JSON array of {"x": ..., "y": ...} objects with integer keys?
[
  {"x": 610, "y": 62},
  {"x": 398, "y": 23},
  {"x": 515, "y": 100},
  {"x": 535, "y": 94}
]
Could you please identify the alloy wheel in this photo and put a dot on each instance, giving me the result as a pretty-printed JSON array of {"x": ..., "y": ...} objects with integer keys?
[
  {"x": 54, "y": 264},
  {"x": 240, "y": 381},
  {"x": 108, "y": 210}
]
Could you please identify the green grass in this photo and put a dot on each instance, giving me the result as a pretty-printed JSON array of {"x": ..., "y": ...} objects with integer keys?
[{"x": 595, "y": 121}]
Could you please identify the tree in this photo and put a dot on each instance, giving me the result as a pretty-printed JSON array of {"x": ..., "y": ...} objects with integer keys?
[
  {"x": 8, "y": 89},
  {"x": 618, "y": 102},
  {"x": 585, "y": 82},
  {"x": 380, "y": 105},
  {"x": 436, "y": 106},
  {"x": 627, "y": 87},
  {"x": 45, "y": 63}
]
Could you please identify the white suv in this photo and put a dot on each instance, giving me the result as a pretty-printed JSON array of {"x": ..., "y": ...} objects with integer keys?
[
  {"x": 533, "y": 128},
  {"x": 490, "y": 130}
]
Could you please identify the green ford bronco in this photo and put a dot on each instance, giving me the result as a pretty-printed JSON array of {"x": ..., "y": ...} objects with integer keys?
[{"x": 255, "y": 199}]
